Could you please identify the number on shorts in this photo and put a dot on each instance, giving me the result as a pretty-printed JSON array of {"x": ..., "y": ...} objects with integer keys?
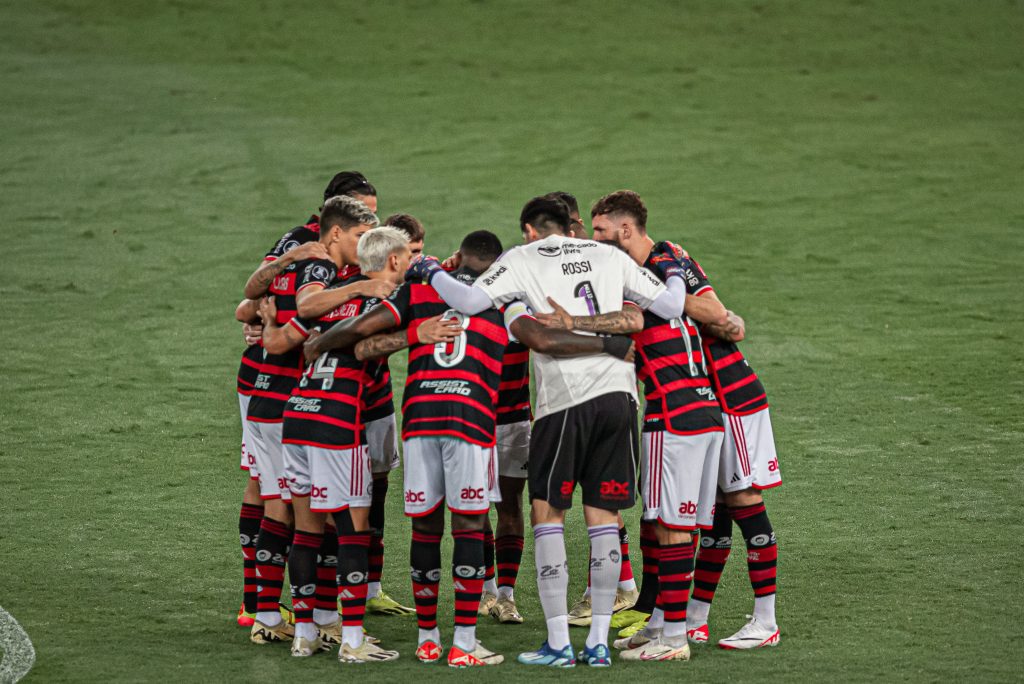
[
  {"x": 585, "y": 290},
  {"x": 323, "y": 369},
  {"x": 448, "y": 354}
]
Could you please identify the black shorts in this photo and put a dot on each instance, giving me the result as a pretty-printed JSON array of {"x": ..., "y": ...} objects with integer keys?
[{"x": 594, "y": 444}]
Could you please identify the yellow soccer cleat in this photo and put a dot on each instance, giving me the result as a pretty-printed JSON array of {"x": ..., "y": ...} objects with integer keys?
[
  {"x": 504, "y": 611},
  {"x": 632, "y": 629},
  {"x": 487, "y": 601},
  {"x": 382, "y": 604},
  {"x": 264, "y": 634},
  {"x": 304, "y": 648},
  {"x": 625, "y": 618}
]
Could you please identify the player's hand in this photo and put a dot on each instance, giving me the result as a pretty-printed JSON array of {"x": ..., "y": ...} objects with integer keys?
[
  {"x": 736, "y": 327},
  {"x": 268, "y": 310},
  {"x": 438, "y": 329},
  {"x": 559, "y": 319},
  {"x": 670, "y": 249},
  {"x": 253, "y": 332},
  {"x": 668, "y": 266},
  {"x": 307, "y": 250},
  {"x": 452, "y": 263},
  {"x": 310, "y": 349},
  {"x": 377, "y": 289},
  {"x": 423, "y": 268}
]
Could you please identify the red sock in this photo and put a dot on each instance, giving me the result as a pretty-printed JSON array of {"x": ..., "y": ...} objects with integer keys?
[
  {"x": 302, "y": 573},
  {"x": 488, "y": 555},
  {"x": 626, "y": 569},
  {"x": 272, "y": 547},
  {"x": 649, "y": 582},
  {"x": 508, "y": 550},
  {"x": 715, "y": 546},
  {"x": 327, "y": 571},
  {"x": 675, "y": 571},
  {"x": 353, "y": 561},
  {"x": 248, "y": 530},
  {"x": 425, "y": 570},
  {"x": 467, "y": 575},
  {"x": 762, "y": 550}
]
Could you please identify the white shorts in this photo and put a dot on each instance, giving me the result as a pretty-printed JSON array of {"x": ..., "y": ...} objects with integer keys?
[
  {"x": 248, "y": 459},
  {"x": 748, "y": 454},
  {"x": 680, "y": 478},
  {"x": 448, "y": 469},
  {"x": 382, "y": 442},
  {"x": 513, "y": 445},
  {"x": 333, "y": 479},
  {"x": 269, "y": 455}
]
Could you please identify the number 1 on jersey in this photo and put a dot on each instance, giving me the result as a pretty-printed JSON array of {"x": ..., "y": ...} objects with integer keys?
[{"x": 585, "y": 290}]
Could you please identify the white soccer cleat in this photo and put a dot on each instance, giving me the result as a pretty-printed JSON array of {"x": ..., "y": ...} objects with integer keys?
[
  {"x": 658, "y": 649},
  {"x": 751, "y": 635},
  {"x": 636, "y": 640},
  {"x": 304, "y": 648},
  {"x": 365, "y": 653}
]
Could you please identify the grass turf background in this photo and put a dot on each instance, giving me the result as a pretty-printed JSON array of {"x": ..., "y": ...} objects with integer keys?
[{"x": 849, "y": 173}]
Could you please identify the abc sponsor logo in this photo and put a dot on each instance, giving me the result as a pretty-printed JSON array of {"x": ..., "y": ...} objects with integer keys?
[
  {"x": 415, "y": 497},
  {"x": 773, "y": 465},
  {"x": 611, "y": 489},
  {"x": 471, "y": 494},
  {"x": 688, "y": 508},
  {"x": 318, "y": 492},
  {"x": 567, "y": 488}
]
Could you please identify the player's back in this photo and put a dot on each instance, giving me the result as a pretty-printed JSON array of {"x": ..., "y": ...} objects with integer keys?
[{"x": 585, "y": 278}]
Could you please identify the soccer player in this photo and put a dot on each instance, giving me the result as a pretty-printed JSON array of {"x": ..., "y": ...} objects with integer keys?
[
  {"x": 298, "y": 244},
  {"x": 411, "y": 226},
  {"x": 279, "y": 373},
  {"x": 586, "y": 407},
  {"x": 682, "y": 433}
]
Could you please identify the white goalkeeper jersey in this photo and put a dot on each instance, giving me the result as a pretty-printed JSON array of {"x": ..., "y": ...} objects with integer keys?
[{"x": 585, "y": 278}]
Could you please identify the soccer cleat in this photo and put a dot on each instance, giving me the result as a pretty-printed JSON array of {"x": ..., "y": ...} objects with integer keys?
[
  {"x": 635, "y": 640},
  {"x": 625, "y": 618},
  {"x": 634, "y": 628},
  {"x": 330, "y": 634},
  {"x": 504, "y": 611},
  {"x": 286, "y": 613},
  {"x": 579, "y": 616},
  {"x": 382, "y": 604},
  {"x": 429, "y": 652},
  {"x": 487, "y": 601},
  {"x": 365, "y": 653},
  {"x": 478, "y": 657},
  {"x": 659, "y": 649},
  {"x": 545, "y": 655},
  {"x": 697, "y": 635},
  {"x": 303, "y": 648},
  {"x": 751, "y": 635},
  {"x": 598, "y": 656},
  {"x": 262, "y": 634},
  {"x": 245, "y": 619},
  {"x": 625, "y": 599}
]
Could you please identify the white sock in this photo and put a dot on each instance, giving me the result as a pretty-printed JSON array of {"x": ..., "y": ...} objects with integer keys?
[
  {"x": 325, "y": 617},
  {"x": 430, "y": 635},
  {"x": 605, "y": 564},
  {"x": 352, "y": 636},
  {"x": 491, "y": 587},
  {"x": 558, "y": 632},
  {"x": 674, "y": 629},
  {"x": 764, "y": 610},
  {"x": 465, "y": 637},
  {"x": 697, "y": 612},
  {"x": 372, "y": 589},
  {"x": 305, "y": 630},
  {"x": 271, "y": 618},
  {"x": 599, "y": 625},
  {"x": 552, "y": 581},
  {"x": 628, "y": 585},
  {"x": 506, "y": 592},
  {"x": 657, "y": 620}
]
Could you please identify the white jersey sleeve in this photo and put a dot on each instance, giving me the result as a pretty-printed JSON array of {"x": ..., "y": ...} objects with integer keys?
[
  {"x": 639, "y": 285},
  {"x": 503, "y": 281}
]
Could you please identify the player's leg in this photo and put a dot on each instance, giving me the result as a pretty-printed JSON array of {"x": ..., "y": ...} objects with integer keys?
[
  {"x": 249, "y": 518},
  {"x": 424, "y": 504},
  {"x": 552, "y": 478},
  {"x": 306, "y": 543},
  {"x": 275, "y": 536},
  {"x": 489, "y": 596},
  {"x": 509, "y": 547},
  {"x": 382, "y": 442},
  {"x": 348, "y": 498},
  {"x": 470, "y": 478},
  {"x": 754, "y": 444},
  {"x": 326, "y": 614}
]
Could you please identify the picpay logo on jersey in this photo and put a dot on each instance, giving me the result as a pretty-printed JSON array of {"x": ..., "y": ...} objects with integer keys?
[
  {"x": 576, "y": 267},
  {"x": 494, "y": 276}
]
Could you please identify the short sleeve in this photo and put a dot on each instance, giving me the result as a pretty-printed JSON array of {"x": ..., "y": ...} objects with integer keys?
[
  {"x": 502, "y": 282},
  {"x": 639, "y": 285},
  {"x": 697, "y": 282},
  {"x": 318, "y": 272},
  {"x": 288, "y": 241},
  {"x": 399, "y": 304}
]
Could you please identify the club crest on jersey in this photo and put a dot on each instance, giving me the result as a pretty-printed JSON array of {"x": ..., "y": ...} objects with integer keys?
[
  {"x": 289, "y": 246},
  {"x": 318, "y": 272}
]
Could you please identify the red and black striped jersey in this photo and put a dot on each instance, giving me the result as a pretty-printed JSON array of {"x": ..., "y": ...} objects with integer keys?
[
  {"x": 278, "y": 373},
  {"x": 514, "y": 391},
  {"x": 249, "y": 368},
  {"x": 378, "y": 397},
  {"x": 452, "y": 389},
  {"x": 326, "y": 408},
  {"x": 670, "y": 362},
  {"x": 739, "y": 390}
]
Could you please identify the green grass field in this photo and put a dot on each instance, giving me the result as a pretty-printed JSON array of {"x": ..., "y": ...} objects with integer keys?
[{"x": 851, "y": 175}]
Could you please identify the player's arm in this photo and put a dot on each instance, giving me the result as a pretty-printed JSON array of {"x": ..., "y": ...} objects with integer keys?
[
  {"x": 707, "y": 309},
  {"x": 247, "y": 311},
  {"x": 259, "y": 282},
  {"x": 560, "y": 342},
  {"x": 278, "y": 339},
  {"x": 625, "y": 322},
  {"x": 430, "y": 331},
  {"x": 350, "y": 331},
  {"x": 315, "y": 299},
  {"x": 493, "y": 288},
  {"x": 733, "y": 331}
]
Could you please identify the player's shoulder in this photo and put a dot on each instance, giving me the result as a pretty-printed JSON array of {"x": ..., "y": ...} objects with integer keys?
[
  {"x": 321, "y": 270},
  {"x": 296, "y": 236}
]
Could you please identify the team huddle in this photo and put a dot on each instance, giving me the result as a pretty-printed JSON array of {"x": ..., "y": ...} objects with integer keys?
[{"x": 336, "y": 296}]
